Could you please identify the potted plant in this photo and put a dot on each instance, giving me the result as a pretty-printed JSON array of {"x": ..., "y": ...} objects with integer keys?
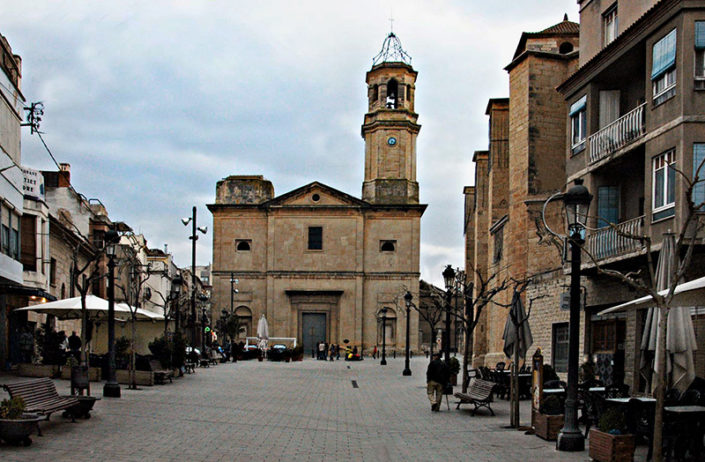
[
  {"x": 548, "y": 421},
  {"x": 454, "y": 370},
  {"x": 610, "y": 442},
  {"x": 15, "y": 425}
]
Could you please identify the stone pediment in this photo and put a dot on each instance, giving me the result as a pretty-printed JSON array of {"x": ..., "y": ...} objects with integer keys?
[{"x": 316, "y": 195}]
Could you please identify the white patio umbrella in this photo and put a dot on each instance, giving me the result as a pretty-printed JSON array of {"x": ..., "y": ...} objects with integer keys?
[
  {"x": 262, "y": 332},
  {"x": 141, "y": 313},
  {"x": 70, "y": 308}
]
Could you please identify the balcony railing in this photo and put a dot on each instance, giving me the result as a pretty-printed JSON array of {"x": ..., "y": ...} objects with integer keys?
[
  {"x": 618, "y": 134},
  {"x": 613, "y": 241}
]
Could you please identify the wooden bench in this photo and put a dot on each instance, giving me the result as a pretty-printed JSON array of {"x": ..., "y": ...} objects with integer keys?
[
  {"x": 160, "y": 375},
  {"x": 479, "y": 395},
  {"x": 40, "y": 397}
]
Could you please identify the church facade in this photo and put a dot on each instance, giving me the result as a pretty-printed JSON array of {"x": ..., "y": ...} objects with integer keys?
[{"x": 320, "y": 264}]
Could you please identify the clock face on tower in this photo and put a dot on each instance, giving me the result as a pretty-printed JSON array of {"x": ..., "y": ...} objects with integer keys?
[{"x": 391, "y": 141}]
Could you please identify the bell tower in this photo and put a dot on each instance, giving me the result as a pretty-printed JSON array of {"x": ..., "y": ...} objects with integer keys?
[{"x": 390, "y": 128}]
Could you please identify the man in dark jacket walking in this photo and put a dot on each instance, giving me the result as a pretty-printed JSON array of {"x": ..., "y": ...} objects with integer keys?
[{"x": 436, "y": 379}]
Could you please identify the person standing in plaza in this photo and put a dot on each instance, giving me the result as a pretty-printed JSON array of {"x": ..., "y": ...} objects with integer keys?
[
  {"x": 436, "y": 378},
  {"x": 374, "y": 352},
  {"x": 331, "y": 351},
  {"x": 75, "y": 344}
]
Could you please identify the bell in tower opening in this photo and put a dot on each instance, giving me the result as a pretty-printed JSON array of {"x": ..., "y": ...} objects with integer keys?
[{"x": 390, "y": 128}]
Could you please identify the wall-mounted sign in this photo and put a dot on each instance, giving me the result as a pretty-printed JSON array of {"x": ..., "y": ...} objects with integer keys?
[{"x": 33, "y": 185}]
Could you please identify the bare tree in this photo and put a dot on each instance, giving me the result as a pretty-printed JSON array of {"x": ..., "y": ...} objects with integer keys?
[{"x": 432, "y": 311}]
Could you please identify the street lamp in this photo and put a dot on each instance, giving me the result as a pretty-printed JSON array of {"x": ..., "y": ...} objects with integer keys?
[
  {"x": 577, "y": 203},
  {"x": 111, "y": 389},
  {"x": 449, "y": 279},
  {"x": 407, "y": 299},
  {"x": 233, "y": 290},
  {"x": 194, "y": 238},
  {"x": 384, "y": 336}
]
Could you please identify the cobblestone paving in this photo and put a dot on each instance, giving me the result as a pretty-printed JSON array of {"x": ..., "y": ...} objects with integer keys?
[{"x": 304, "y": 411}]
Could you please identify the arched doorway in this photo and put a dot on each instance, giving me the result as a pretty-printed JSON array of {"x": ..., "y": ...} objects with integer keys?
[{"x": 244, "y": 316}]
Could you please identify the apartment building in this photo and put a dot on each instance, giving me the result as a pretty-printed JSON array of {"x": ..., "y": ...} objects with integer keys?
[{"x": 635, "y": 118}]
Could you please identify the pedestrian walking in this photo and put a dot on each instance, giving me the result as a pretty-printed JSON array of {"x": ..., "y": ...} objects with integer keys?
[
  {"x": 331, "y": 351},
  {"x": 337, "y": 352},
  {"x": 321, "y": 351},
  {"x": 436, "y": 378},
  {"x": 374, "y": 352}
]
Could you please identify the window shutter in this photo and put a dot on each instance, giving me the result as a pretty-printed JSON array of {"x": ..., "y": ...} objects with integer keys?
[
  {"x": 664, "y": 55},
  {"x": 578, "y": 106},
  {"x": 699, "y": 35},
  {"x": 699, "y": 188},
  {"x": 28, "y": 241}
]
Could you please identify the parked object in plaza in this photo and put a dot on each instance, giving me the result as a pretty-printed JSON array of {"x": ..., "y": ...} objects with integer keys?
[
  {"x": 16, "y": 425},
  {"x": 83, "y": 408},
  {"x": 549, "y": 420},
  {"x": 279, "y": 352}
]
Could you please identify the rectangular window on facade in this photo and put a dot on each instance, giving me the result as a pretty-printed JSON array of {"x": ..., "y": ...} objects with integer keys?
[
  {"x": 15, "y": 236},
  {"x": 699, "y": 170},
  {"x": 315, "y": 238},
  {"x": 607, "y": 205},
  {"x": 5, "y": 230},
  {"x": 578, "y": 125},
  {"x": 560, "y": 347},
  {"x": 28, "y": 257},
  {"x": 663, "y": 68},
  {"x": 609, "y": 25},
  {"x": 52, "y": 274},
  {"x": 664, "y": 185},
  {"x": 498, "y": 245},
  {"x": 700, "y": 55}
]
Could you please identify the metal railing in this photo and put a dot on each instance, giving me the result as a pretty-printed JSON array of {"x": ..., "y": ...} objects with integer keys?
[
  {"x": 617, "y": 134},
  {"x": 612, "y": 242}
]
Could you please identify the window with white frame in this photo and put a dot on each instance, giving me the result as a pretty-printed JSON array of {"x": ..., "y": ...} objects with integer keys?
[
  {"x": 578, "y": 122},
  {"x": 699, "y": 55},
  {"x": 699, "y": 176},
  {"x": 663, "y": 68},
  {"x": 664, "y": 185},
  {"x": 609, "y": 25}
]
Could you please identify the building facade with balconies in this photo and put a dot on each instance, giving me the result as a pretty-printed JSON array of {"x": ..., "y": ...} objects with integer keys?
[{"x": 635, "y": 120}]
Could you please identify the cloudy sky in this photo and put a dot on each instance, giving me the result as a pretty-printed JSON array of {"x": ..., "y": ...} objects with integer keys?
[{"x": 153, "y": 102}]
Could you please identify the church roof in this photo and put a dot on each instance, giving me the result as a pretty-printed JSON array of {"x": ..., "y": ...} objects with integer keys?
[
  {"x": 391, "y": 52},
  {"x": 344, "y": 197},
  {"x": 564, "y": 27}
]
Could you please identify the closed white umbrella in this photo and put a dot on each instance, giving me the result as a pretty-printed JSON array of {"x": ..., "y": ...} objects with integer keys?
[{"x": 262, "y": 332}]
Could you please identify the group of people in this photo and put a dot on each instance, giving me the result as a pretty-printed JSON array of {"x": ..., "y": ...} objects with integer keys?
[
  {"x": 227, "y": 350},
  {"x": 331, "y": 352}
]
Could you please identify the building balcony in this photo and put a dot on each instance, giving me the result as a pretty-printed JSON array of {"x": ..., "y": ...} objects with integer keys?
[
  {"x": 617, "y": 135},
  {"x": 614, "y": 241}
]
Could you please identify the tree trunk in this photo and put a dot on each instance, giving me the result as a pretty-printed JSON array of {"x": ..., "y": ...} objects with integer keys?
[
  {"x": 467, "y": 358},
  {"x": 133, "y": 378},
  {"x": 660, "y": 388},
  {"x": 433, "y": 341},
  {"x": 84, "y": 330}
]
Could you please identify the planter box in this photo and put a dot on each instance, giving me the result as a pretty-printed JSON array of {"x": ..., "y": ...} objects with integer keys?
[
  {"x": 93, "y": 373},
  {"x": 39, "y": 370},
  {"x": 605, "y": 447},
  {"x": 547, "y": 426},
  {"x": 141, "y": 377}
]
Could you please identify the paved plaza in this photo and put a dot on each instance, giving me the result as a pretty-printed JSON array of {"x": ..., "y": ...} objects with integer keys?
[{"x": 308, "y": 411}]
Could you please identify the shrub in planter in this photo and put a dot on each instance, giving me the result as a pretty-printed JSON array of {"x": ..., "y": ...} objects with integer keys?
[
  {"x": 609, "y": 442},
  {"x": 49, "y": 343},
  {"x": 15, "y": 425},
  {"x": 171, "y": 353},
  {"x": 549, "y": 420}
]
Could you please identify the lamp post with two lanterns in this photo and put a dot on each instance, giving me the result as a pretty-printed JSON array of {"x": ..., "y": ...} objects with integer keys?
[
  {"x": 384, "y": 336},
  {"x": 194, "y": 237},
  {"x": 449, "y": 280}
]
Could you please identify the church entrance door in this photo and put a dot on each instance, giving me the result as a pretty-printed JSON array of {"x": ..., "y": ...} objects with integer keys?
[{"x": 313, "y": 330}]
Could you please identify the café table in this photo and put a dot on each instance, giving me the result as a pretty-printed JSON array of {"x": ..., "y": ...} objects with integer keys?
[
  {"x": 687, "y": 422},
  {"x": 643, "y": 399}
]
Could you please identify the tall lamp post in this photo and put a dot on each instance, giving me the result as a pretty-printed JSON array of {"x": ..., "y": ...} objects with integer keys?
[
  {"x": 449, "y": 279},
  {"x": 233, "y": 291},
  {"x": 577, "y": 203},
  {"x": 407, "y": 299},
  {"x": 194, "y": 238},
  {"x": 176, "y": 284},
  {"x": 384, "y": 336},
  {"x": 111, "y": 389}
]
